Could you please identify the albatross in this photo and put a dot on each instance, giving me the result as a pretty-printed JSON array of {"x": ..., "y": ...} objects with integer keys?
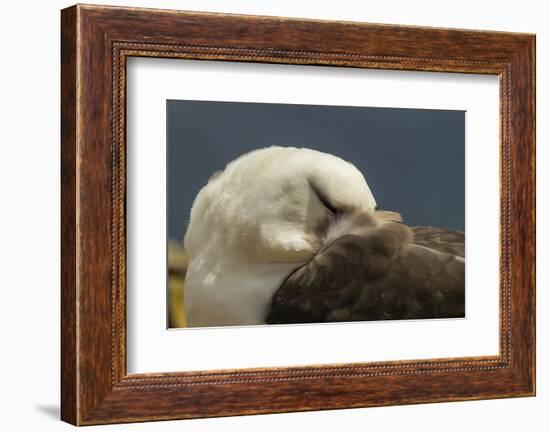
[{"x": 293, "y": 235}]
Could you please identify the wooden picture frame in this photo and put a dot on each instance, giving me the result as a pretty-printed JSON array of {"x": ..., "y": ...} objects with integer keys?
[{"x": 95, "y": 43}]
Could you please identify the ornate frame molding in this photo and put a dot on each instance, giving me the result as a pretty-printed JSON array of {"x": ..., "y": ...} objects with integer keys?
[{"x": 96, "y": 41}]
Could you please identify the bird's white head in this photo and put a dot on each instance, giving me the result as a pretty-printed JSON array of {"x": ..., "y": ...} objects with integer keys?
[{"x": 255, "y": 222}]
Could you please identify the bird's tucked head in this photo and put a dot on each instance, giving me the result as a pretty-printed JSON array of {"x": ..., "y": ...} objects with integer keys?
[{"x": 268, "y": 212}]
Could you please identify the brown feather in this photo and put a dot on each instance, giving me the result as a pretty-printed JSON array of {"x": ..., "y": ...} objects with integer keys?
[{"x": 376, "y": 269}]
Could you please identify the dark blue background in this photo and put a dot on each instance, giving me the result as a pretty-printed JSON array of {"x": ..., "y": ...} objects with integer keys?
[{"x": 412, "y": 159}]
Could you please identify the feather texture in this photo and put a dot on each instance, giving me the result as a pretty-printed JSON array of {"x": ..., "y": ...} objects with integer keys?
[
  {"x": 289, "y": 235},
  {"x": 376, "y": 269},
  {"x": 255, "y": 222}
]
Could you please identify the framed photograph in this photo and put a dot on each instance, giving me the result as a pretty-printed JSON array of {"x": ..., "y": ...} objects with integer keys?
[{"x": 265, "y": 214}]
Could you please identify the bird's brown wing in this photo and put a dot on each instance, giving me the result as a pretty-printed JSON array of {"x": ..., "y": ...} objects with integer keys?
[
  {"x": 441, "y": 239},
  {"x": 372, "y": 276}
]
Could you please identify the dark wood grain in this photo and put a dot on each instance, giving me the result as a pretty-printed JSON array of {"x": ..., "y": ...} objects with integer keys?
[
  {"x": 96, "y": 41},
  {"x": 69, "y": 398}
]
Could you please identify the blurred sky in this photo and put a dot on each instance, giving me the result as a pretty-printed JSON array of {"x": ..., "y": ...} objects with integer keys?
[{"x": 412, "y": 159}]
